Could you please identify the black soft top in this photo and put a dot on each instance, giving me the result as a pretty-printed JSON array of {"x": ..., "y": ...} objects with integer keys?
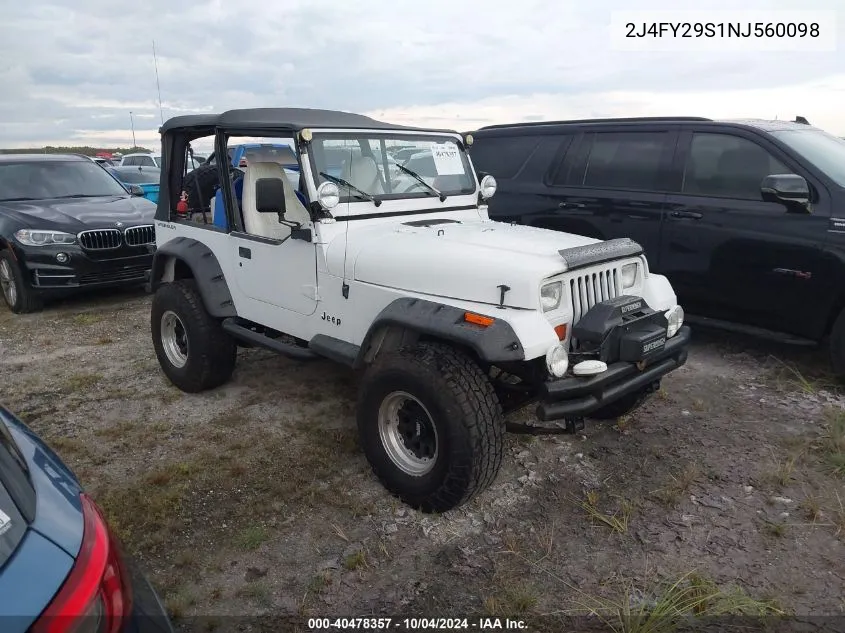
[{"x": 295, "y": 119}]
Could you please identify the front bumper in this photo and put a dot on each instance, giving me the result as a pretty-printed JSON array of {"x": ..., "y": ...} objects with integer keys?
[
  {"x": 122, "y": 266},
  {"x": 576, "y": 397}
]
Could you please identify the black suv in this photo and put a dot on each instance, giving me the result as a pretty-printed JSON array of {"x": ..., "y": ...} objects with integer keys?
[
  {"x": 66, "y": 224},
  {"x": 745, "y": 218}
]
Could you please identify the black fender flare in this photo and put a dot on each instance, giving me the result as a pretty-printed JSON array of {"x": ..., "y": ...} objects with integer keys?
[
  {"x": 205, "y": 270},
  {"x": 496, "y": 343}
]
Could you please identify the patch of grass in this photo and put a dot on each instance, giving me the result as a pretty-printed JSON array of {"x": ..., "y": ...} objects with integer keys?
[
  {"x": 839, "y": 517},
  {"x": 811, "y": 508},
  {"x": 355, "y": 560},
  {"x": 319, "y": 583},
  {"x": 255, "y": 591},
  {"x": 178, "y": 603},
  {"x": 698, "y": 404},
  {"x": 69, "y": 447},
  {"x": 185, "y": 558},
  {"x": 170, "y": 396},
  {"x": 667, "y": 607},
  {"x": 782, "y": 473},
  {"x": 233, "y": 418},
  {"x": 832, "y": 445},
  {"x": 679, "y": 485},
  {"x": 145, "y": 512},
  {"x": 516, "y": 599},
  {"x": 251, "y": 538},
  {"x": 117, "y": 431},
  {"x": 774, "y": 528},
  {"x": 81, "y": 381},
  {"x": 86, "y": 318},
  {"x": 104, "y": 340},
  {"x": 617, "y": 521}
]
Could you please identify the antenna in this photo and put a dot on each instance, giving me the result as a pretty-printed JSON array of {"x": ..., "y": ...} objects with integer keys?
[
  {"x": 158, "y": 85},
  {"x": 132, "y": 123},
  {"x": 345, "y": 286}
]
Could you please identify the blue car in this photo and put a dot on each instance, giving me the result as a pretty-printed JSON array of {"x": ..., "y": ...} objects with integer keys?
[
  {"x": 147, "y": 178},
  {"x": 61, "y": 568}
]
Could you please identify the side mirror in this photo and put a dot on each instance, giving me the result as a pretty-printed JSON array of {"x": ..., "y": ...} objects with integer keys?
[
  {"x": 136, "y": 190},
  {"x": 791, "y": 190},
  {"x": 270, "y": 196}
]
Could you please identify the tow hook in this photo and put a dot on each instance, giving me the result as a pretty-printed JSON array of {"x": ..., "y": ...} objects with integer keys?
[{"x": 573, "y": 425}]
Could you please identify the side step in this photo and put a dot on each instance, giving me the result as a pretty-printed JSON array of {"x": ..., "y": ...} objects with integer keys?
[
  {"x": 286, "y": 349},
  {"x": 750, "y": 330}
]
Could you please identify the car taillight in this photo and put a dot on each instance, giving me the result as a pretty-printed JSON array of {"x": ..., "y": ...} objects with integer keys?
[{"x": 96, "y": 597}]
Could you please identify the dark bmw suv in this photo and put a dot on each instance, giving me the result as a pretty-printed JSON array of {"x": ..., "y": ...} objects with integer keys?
[
  {"x": 745, "y": 218},
  {"x": 67, "y": 224}
]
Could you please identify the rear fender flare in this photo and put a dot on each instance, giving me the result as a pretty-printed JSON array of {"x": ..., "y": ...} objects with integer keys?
[{"x": 183, "y": 257}]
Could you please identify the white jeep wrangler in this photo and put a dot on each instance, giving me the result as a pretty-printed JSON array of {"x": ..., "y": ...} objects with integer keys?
[{"x": 390, "y": 265}]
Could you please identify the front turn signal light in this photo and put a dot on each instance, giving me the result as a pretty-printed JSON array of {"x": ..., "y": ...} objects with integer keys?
[{"x": 478, "y": 319}]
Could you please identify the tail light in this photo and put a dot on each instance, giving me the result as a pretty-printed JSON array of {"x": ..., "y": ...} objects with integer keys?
[{"x": 96, "y": 597}]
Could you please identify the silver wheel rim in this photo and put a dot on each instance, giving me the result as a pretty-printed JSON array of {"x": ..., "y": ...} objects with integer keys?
[
  {"x": 7, "y": 283},
  {"x": 408, "y": 433},
  {"x": 174, "y": 339}
]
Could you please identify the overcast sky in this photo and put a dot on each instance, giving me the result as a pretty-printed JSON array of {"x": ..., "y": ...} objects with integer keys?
[{"x": 72, "y": 70}]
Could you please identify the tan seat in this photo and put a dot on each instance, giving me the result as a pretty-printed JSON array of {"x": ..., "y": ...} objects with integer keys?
[
  {"x": 362, "y": 172},
  {"x": 267, "y": 224}
]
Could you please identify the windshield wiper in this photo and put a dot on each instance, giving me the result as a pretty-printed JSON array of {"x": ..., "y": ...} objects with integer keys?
[
  {"x": 420, "y": 180},
  {"x": 18, "y": 199},
  {"x": 362, "y": 194}
]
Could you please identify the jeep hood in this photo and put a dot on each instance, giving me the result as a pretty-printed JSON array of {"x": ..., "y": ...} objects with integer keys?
[{"x": 466, "y": 260}]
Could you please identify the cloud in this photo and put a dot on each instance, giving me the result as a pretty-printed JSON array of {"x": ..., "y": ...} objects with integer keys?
[{"x": 82, "y": 65}]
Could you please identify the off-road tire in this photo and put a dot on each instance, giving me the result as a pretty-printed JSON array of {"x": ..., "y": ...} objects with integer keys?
[
  {"x": 211, "y": 352},
  {"x": 616, "y": 409},
  {"x": 464, "y": 410},
  {"x": 836, "y": 346},
  {"x": 26, "y": 300}
]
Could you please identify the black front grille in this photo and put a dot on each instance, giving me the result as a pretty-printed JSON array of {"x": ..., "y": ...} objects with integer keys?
[
  {"x": 100, "y": 239},
  {"x": 140, "y": 235},
  {"x": 115, "y": 275}
]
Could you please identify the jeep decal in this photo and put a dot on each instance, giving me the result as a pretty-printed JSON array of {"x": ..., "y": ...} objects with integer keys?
[{"x": 330, "y": 319}]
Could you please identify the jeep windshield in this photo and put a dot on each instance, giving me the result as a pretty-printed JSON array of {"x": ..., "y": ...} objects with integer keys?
[
  {"x": 821, "y": 149},
  {"x": 431, "y": 166}
]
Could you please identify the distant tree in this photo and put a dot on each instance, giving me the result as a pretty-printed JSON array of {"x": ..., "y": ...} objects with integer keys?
[{"x": 85, "y": 149}]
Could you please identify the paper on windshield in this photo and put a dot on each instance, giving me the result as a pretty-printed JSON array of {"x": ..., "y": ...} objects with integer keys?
[
  {"x": 5, "y": 522},
  {"x": 447, "y": 159}
]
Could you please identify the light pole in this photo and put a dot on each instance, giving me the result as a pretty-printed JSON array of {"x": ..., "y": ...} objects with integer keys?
[{"x": 132, "y": 123}]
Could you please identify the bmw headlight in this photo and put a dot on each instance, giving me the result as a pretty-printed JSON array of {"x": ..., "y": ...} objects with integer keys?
[
  {"x": 675, "y": 317},
  {"x": 550, "y": 295},
  {"x": 557, "y": 360},
  {"x": 629, "y": 275},
  {"x": 36, "y": 237}
]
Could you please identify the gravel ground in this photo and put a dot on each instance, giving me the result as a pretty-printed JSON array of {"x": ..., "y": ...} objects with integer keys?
[{"x": 255, "y": 498}]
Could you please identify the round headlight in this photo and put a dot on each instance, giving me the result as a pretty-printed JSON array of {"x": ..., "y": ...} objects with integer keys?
[
  {"x": 675, "y": 317},
  {"x": 328, "y": 195},
  {"x": 550, "y": 295},
  {"x": 469, "y": 139},
  {"x": 629, "y": 275},
  {"x": 557, "y": 360},
  {"x": 488, "y": 186},
  {"x": 306, "y": 135}
]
